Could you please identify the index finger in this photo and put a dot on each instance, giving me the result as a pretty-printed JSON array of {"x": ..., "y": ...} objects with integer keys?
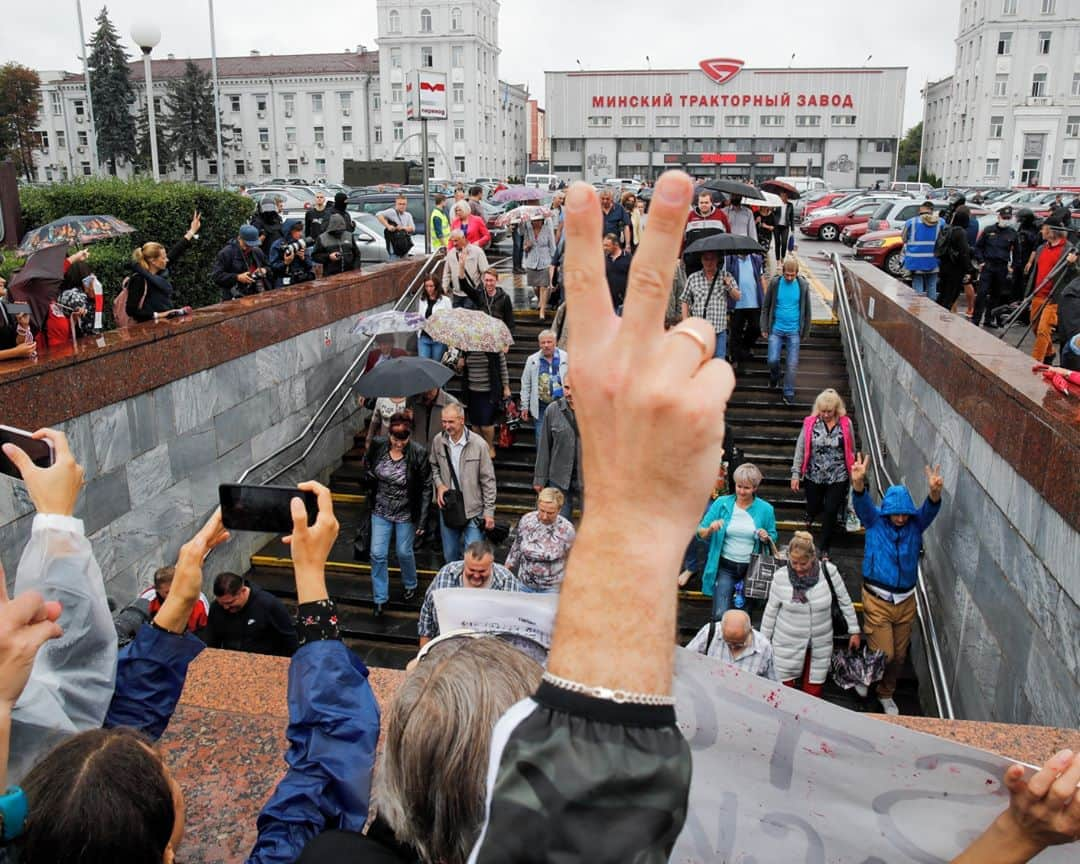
[
  {"x": 649, "y": 286},
  {"x": 588, "y": 300},
  {"x": 59, "y": 441},
  {"x": 322, "y": 495}
]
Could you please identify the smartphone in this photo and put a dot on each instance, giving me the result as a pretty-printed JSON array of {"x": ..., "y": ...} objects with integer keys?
[
  {"x": 263, "y": 508},
  {"x": 40, "y": 451}
]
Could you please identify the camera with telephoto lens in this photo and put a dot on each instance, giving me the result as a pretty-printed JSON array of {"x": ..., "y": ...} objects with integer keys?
[{"x": 292, "y": 247}]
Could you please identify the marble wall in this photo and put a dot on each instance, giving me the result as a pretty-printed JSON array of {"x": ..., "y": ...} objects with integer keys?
[{"x": 1002, "y": 564}]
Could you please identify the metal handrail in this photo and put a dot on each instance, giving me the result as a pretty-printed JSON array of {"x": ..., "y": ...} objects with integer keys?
[
  {"x": 407, "y": 298},
  {"x": 935, "y": 663}
]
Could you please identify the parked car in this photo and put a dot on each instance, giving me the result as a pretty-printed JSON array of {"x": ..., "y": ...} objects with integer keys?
[
  {"x": 822, "y": 198},
  {"x": 368, "y": 232},
  {"x": 804, "y": 184},
  {"x": 298, "y": 199},
  {"x": 912, "y": 187},
  {"x": 883, "y": 249},
  {"x": 853, "y": 233},
  {"x": 827, "y": 223}
]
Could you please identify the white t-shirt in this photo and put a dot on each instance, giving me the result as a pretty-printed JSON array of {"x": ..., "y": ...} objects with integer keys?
[
  {"x": 394, "y": 218},
  {"x": 739, "y": 537}
]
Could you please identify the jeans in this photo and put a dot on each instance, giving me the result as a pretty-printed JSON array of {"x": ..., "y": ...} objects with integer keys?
[
  {"x": 381, "y": 531},
  {"x": 790, "y": 341},
  {"x": 429, "y": 348},
  {"x": 721, "y": 345},
  {"x": 454, "y": 540},
  {"x": 538, "y": 420},
  {"x": 697, "y": 554},
  {"x": 727, "y": 574},
  {"x": 925, "y": 283},
  {"x": 745, "y": 329}
]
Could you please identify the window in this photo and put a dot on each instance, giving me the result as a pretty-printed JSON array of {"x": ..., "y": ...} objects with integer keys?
[
  {"x": 1001, "y": 85},
  {"x": 737, "y": 120},
  {"x": 702, "y": 121},
  {"x": 260, "y": 103},
  {"x": 289, "y": 103},
  {"x": 61, "y": 139},
  {"x": 991, "y": 167},
  {"x": 457, "y": 56},
  {"x": 238, "y": 136},
  {"x": 378, "y": 134},
  {"x": 86, "y": 169},
  {"x": 772, "y": 119},
  {"x": 1068, "y": 167},
  {"x": 667, "y": 120},
  {"x": 211, "y": 168},
  {"x": 264, "y": 135},
  {"x": 633, "y": 120},
  {"x": 345, "y": 103},
  {"x": 290, "y": 134},
  {"x": 395, "y": 94},
  {"x": 234, "y": 103},
  {"x": 459, "y": 164},
  {"x": 157, "y": 104},
  {"x": 346, "y": 134},
  {"x": 395, "y": 58},
  {"x": 264, "y": 166},
  {"x": 41, "y": 139},
  {"x": 57, "y": 103},
  {"x": 997, "y": 126},
  {"x": 1038, "y": 84},
  {"x": 457, "y": 93},
  {"x": 239, "y": 167},
  {"x": 807, "y": 119},
  {"x": 1044, "y": 41},
  {"x": 427, "y": 57},
  {"x": 1072, "y": 126},
  {"x": 394, "y": 22},
  {"x": 80, "y": 108},
  {"x": 399, "y": 130},
  {"x": 455, "y": 18},
  {"x": 320, "y": 134},
  {"x": 843, "y": 119},
  {"x": 459, "y": 130},
  {"x": 880, "y": 147},
  {"x": 1048, "y": 7},
  {"x": 294, "y": 167},
  {"x": 376, "y": 100},
  {"x": 600, "y": 120},
  {"x": 316, "y": 103},
  {"x": 1004, "y": 43},
  {"x": 425, "y": 20},
  {"x": 83, "y": 139},
  {"x": 320, "y": 166},
  {"x": 1008, "y": 7},
  {"x": 1076, "y": 84}
]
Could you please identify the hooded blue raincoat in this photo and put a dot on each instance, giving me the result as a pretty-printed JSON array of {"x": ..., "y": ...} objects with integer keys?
[{"x": 891, "y": 555}]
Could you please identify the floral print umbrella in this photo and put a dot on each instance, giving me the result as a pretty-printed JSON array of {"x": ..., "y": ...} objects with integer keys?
[
  {"x": 73, "y": 230},
  {"x": 468, "y": 330},
  {"x": 389, "y": 321}
]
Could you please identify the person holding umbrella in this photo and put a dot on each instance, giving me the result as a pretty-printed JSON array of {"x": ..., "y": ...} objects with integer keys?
[
  {"x": 706, "y": 296},
  {"x": 150, "y": 294},
  {"x": 432, "y": 299},
  {"x": 539, "y": 250}
]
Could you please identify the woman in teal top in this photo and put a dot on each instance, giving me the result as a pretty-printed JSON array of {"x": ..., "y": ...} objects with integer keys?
[
  {"x": 785, "y": 319},
  {"x": 735, "y": 526}
]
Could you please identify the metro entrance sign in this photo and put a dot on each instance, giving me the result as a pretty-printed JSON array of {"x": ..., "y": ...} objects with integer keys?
[{"x": 425, "y": 93}]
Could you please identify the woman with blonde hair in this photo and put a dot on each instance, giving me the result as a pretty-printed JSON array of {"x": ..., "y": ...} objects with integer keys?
[
  {"x": 822, "y": 463},
  {"x": 150, "y": 294},
  {"x": 542, "y": 544},
  {"x": 798, "y": 620}
]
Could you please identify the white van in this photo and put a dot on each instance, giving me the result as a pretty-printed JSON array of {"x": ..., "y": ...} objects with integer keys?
[
  {"x": 912, "y": 187},
  {"x": 805, "y": 184},
  {"x": 542, "y": 181}
]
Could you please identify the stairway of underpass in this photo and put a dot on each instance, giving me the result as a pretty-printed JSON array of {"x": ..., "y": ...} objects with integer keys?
[{"x": 764, "y": 428}]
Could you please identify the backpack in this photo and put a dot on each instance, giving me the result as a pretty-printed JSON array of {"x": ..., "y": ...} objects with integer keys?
[
  {"x": 943, "y": 246},
  {"x": 119, "y": 307}
]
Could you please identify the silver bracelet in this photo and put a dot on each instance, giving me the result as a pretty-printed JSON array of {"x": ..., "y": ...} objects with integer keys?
[{"x": 620, "y": 696}]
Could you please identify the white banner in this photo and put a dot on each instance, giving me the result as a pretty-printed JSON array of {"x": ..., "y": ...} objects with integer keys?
[{"x": 487, "y": 611}]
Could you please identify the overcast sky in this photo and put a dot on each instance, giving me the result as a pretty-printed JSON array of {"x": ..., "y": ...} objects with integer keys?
[{"x": 552, "y": 34}]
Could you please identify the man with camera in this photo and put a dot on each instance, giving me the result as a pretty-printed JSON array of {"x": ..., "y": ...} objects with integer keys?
[
  {"x": 289, "y": 259},
  {"x": 240, "y": 268}
]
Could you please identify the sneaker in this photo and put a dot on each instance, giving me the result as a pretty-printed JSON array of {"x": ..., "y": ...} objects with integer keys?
[
  {"x": 685, "y": 577},
  {"x": 889, "y": 707},
  {"x": 410, "y": 593},
  {"x": 862, "y": 690},
  {"x": 377, "y": 611},
  {"x": 774, "y": 385},
  {"x": 787, "y": 400},
  {"x": 534, "y": 302}
]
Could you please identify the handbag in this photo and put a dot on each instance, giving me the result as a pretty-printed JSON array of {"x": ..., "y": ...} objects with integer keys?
[
  {"x": 453, "y": 510},
  {"x": 839, "y": 622},
  {"x": 759, "y": 574},
  {"x": 498, "y": 532},
  {"x": 362, "y": 543},
  {"x": 451, "y": 358}
]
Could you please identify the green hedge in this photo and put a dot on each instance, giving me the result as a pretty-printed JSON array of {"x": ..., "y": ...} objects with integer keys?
[{"x": 157, "y": 211}]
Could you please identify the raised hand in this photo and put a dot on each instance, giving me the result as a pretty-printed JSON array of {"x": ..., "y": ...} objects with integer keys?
[
  {"x": 935, "y": 482},
  {"x": 311, "y": 545},
  {"x": 858, "y": 471},
  {"x": 196, "y": 224},
  {"x": 55, "y": 489},
  {"x": 187, "y": 579}
]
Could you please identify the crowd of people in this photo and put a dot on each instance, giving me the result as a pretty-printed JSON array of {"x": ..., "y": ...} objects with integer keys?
[{"x": 587, "y": 742}]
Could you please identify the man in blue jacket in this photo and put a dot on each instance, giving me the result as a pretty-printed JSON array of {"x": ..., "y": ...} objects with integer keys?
[{"x": 890, "y": 567}]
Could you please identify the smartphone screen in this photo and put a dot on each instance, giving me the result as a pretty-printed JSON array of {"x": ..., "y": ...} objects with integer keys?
[
  {"x": 263, "y": 508},
  {"x": 39, "y": 451}
]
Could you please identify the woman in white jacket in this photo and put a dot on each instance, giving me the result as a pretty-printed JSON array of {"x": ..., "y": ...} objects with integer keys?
[{"x": 798, "y": 620}]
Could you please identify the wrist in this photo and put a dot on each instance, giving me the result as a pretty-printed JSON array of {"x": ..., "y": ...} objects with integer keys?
[
  {"x": 1010, "y": 840},
  {"x": 310, "y": 583}
]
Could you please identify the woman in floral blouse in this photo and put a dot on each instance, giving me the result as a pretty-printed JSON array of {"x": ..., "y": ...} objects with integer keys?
[{"x": 541, "y": 544}]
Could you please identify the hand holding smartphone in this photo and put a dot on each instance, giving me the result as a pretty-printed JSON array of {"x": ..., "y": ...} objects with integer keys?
[
  {"x": 263, "y": 508},
  {"x": 40, "y": 450}
]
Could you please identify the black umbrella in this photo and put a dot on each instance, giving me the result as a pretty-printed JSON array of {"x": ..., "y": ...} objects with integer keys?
[
  {"x": 731, "y": 187},
  {"x": 403, "y": 376},
  {"x": 778, "y": 186},
  {"x": 722, "y": 244},
  {"x": 39, "y": 282}
]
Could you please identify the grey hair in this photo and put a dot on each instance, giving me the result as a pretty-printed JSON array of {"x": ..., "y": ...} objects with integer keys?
[
  {"x": 733, "y": 615},
  {"x": 544, "y": 333},
  {"x": 431, "y": 787},
  {"x": 457, "y": 232},
  {"x": 453, "y": 408},
  {"x": 748, "y": 472},
  {"x": 463, "y": 207}
]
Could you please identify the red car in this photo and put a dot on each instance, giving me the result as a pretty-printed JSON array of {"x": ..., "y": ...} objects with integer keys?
[
  {"x": 823, "y": 201},
  {"x": 850, "y": 235},
  {"x": 827, "y": 224},
  {"x": 883, "y": 249}
]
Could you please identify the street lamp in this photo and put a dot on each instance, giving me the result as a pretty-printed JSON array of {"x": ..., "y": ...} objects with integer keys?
[{"x": 146, "y": 36}]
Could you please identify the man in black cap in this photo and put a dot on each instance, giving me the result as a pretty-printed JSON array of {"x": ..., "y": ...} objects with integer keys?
[
  {"x": 996, "y": 254},
  {"x": 340, "y": 201}
]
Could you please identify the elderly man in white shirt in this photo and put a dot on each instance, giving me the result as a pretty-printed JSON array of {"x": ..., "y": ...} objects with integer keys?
[
  {"x": 739, "y": 644},
  {"x": 465, "y": 266}
]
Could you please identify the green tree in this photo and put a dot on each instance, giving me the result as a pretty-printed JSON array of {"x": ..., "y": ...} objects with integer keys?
[
  {"x": 191, "y": 129},
  {"x": 113, "y": 95},
  {"x": 20, "y": 104},
  {"x": 142, "y": 161},
  {"x": 911, "y": 145}
]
